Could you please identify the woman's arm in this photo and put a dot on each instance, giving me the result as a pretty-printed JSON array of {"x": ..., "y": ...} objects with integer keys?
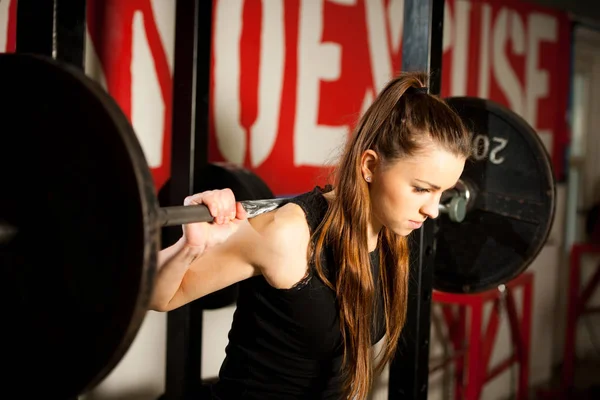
[
  {"x": 173, "y": 263},
  {"x": 197, "y": 240},
  {"x": 273, "y": 244}
]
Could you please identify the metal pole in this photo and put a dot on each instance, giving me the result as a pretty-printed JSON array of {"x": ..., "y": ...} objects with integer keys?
[
  {"x": 409, "y": 371},
  {"x": 53, "y": 28},
  {"x": 193, "y": 21},
  {"x": 70, "y": 25},
  {"x": 35, "y": 27}
]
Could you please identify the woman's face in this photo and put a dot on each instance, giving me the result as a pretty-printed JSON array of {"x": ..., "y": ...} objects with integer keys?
[{"x": 406, "y": 192}]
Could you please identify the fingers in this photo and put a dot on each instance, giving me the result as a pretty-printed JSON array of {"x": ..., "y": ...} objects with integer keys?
[
  {"x": 241, "y": 212},
  {"x": 221, "y": 204}
]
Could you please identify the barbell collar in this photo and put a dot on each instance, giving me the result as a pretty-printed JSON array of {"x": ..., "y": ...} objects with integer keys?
[
  {"x": 457, "y": 201},
  {"x": 456, "y": 208}
]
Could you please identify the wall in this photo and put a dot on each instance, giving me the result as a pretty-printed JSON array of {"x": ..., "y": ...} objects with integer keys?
[
  {"x": 584, "y": 169},
  {"x": 281, "y": 113},
  {"x": 582, "y": 10}
]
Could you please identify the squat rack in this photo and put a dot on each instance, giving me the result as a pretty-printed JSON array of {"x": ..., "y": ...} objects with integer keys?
[{"x": 57, "y": 28}]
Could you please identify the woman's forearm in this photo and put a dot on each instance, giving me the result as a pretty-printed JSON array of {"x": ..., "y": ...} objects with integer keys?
[{"x": 172, "y": 264}]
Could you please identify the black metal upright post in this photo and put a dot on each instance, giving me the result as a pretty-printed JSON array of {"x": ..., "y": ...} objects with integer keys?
[
  {"x": 35, "y": 27},
  {"x": 70, "y": 25},
  {"x": 53, "y": 28},
  {"x": 409, "y": 371},
  {"x": 193, "y": 21}
]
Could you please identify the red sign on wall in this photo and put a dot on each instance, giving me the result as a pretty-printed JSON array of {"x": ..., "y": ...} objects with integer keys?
[
  {"x": 291, "y": 78},
  {"x": 129, "y": 45},
  {"x": 126, "y": 51}
]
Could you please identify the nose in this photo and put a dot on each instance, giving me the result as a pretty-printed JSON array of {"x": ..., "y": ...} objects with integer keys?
[{"x": 431, "y": 208}]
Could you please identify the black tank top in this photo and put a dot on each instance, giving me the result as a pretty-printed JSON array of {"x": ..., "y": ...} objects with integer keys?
[{"x": 287, "y": 343}]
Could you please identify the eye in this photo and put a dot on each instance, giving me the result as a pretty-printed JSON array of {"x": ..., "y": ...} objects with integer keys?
[{"x": 421, "y": 190}]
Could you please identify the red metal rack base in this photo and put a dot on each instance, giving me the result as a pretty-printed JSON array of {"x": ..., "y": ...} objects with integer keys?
[{"x": 472, "y": 352}]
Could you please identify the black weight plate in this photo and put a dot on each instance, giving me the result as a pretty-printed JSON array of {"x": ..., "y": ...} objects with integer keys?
[
  {"x": 76, "y": 188},
  {"x": 245, "y": 185},
  {"x": 514, "y": 205}
]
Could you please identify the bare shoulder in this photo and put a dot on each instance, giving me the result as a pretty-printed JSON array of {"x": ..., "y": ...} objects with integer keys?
[{"x": 281, "y": 254}]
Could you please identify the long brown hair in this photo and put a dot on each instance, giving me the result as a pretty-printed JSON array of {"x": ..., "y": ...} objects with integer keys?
[{"x": 392, "y": 126}]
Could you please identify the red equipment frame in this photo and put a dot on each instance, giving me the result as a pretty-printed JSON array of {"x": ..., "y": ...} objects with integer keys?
[{"x": 472, "y": 352}]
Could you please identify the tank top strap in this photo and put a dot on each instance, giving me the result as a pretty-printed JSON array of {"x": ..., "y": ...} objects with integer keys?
[{"x": 314, "y": 205}]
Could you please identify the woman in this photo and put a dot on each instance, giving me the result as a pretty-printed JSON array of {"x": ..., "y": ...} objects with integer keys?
[{"x": 323, "y": 277}]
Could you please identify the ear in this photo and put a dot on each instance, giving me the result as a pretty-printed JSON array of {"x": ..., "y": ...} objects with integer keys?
[{"x": 368, "y": 164}]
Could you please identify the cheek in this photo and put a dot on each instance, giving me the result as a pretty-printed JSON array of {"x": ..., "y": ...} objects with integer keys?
[{"x": 392, "y": 202}]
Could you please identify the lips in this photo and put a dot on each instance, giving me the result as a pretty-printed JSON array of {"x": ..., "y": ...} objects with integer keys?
[{"x": 415, "y": 224}]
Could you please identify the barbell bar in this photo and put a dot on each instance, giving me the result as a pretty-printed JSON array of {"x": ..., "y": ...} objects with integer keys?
[{"x": 179, "y": 215}]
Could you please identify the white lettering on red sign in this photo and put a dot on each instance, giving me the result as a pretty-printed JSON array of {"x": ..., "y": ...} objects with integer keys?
[
  {"x": 290, "y": 79},
  {"x": 490, "y": 50}
]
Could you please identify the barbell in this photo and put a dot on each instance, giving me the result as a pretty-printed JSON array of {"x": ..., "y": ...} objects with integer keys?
[{"x": 80, "y": 222}]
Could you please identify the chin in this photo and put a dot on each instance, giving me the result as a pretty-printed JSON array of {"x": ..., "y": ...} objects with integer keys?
[
  {"x": 401, "y": 231},
  {"x": 406, "y": 232}
]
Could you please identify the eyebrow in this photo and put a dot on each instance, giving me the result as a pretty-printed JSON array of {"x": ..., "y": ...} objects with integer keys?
[{"x": 436, "y": 187}]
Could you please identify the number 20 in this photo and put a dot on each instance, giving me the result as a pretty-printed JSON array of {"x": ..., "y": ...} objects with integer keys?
[{"x": 482, "y": 148}]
